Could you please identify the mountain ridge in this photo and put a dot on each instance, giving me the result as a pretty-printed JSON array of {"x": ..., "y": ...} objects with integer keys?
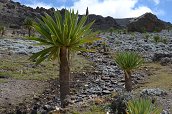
[{"x": 13, "y": 14}]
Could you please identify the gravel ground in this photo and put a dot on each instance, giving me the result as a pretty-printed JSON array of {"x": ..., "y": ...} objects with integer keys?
[{"x": 14, "y": 92}]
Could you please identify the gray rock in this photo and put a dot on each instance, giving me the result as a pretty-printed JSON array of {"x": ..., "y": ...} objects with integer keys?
[
  {"x": 105, "y": 78},
  {"x": 159, "y": 55},
  {"x": 153, "y": 92},
  {"x": 105, "y": 92},
  {"x": 165, "y": 112},
  {"x": 165, "y": 61}
]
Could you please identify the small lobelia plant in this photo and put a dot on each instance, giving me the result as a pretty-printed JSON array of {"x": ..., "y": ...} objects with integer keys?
[
  {"x": 156, "y": 39},
  {"x": 28, "y": 23},
  {"x": 146, "y": 36},
  {"x": 128, "y": 61},
  {"x": 111, "y": 30},
  {"x": 2, "y": 30},
  {"x": 142, "y": 106},
  {"x": 164, "y": 40}
]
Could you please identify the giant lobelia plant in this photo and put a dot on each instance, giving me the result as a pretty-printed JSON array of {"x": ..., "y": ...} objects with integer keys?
[{"x": 62, "y": 34}]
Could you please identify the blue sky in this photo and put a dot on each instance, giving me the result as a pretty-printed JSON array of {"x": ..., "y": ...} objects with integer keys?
[{"x": 114, "y": 8}]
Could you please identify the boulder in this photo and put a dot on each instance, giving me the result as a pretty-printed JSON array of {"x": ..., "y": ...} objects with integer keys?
[{"x": 146, "y": 23}]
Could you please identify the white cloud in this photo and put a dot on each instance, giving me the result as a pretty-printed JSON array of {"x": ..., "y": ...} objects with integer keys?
[{"x": 114, "y": 8}]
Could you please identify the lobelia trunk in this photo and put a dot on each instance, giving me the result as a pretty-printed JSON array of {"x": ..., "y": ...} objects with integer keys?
[
  {"x": 128, "y": 81},
  {"x": 29, "y": 32},
  {"x": 64, "y": 75}
]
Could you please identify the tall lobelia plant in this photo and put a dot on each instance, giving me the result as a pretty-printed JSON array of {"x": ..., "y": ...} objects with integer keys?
[
  {"x": 62, "y": 34},
  {"x": 128, "y": 61}
]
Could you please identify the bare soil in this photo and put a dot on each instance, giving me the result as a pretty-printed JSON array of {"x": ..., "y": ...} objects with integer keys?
[{"x": 15, "y": 91}]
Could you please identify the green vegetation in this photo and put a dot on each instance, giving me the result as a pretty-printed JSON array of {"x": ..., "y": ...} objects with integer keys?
[
  {"x": 157, "y": 39},
  {"x": 62, "y": 36},
  {"x": 111, "y": 30},
  {"x": 96, "y": 109},
  {"x": 146, "y": 36},
  {"x": 164, "y": 40},
  {"x": 160, "y": 39},
  {"x": 105, "y": 46},
  {"x": 28, "y": 23},
  {"x": 160, "y": 77},
  {"x": 142, "y": 106},
  {"x": 2, "y": 30},
  {"x": 133, "y": 36},
  {"x": 128, "y": 61},
  {"x": 143, "y": 30},
  {"x": 19, "y": 67},
  {"x": 92, "y": 109}
]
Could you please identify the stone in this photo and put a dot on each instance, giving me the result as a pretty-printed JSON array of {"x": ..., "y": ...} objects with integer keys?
[
  {"x": 159, "y": 55},
  {"x": 105, "y": 78},
  {"x": 153, "y": 92},
  {"x": 43, "y": 111},
  {"x": 34, "y": 111},
  {"x": 106, "y": 92},
  {"x": 68, "y": 100},
  {"x": 165, "y": 61},
  {"x": 48, "y": 108},
  {"x": 118, "y": 105},
  {"x": 165, "y": 112}
]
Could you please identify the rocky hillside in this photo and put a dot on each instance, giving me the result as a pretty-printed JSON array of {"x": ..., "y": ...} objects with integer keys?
[
  {"x": 12, "y": 14},
  {"x": 123, "y": 22},
  {"x": 146, "y": 23}
]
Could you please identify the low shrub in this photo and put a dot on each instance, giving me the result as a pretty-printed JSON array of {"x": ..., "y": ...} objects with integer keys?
[{"x": 156, "y": 39}]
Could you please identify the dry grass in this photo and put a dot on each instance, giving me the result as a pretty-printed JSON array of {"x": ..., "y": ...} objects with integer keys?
[
  {"x": 19, "y": 67},
  {"x": 160, "y": 76}
]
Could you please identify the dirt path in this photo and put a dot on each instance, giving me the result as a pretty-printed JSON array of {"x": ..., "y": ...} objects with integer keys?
[{"x": 14, "y": 92}]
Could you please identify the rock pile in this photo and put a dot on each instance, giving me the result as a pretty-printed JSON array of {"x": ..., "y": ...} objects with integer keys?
[{"x": 153, "y": 92}]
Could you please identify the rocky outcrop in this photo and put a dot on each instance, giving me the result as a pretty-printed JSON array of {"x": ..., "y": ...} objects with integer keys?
[
  {"x": 103, "y": 23},
  {"x": 123, "y": 22},
  {"x": 146, "y": 23},
  {"x": 4, "y": 1}
]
